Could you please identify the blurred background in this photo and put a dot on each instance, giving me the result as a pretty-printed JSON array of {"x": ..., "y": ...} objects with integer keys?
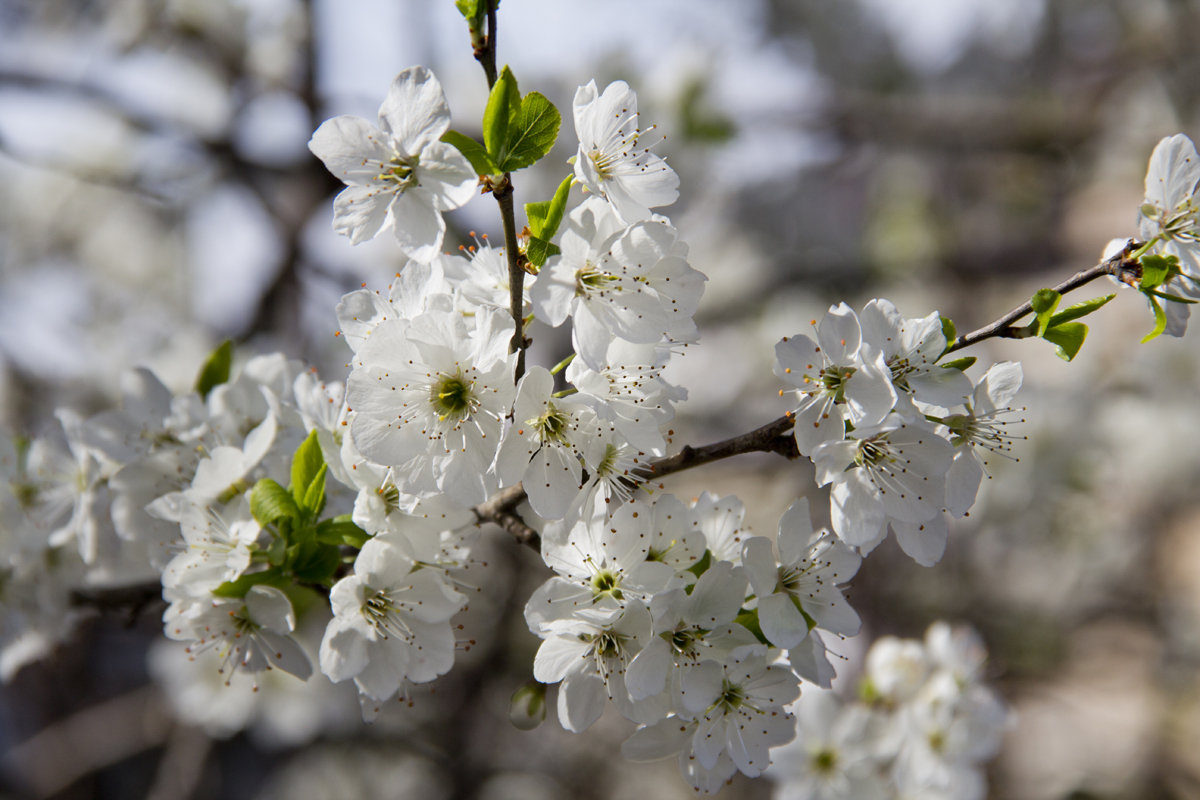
[{"x": 157, "y": 196}]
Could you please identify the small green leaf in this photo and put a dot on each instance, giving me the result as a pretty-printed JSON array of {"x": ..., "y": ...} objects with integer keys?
[
  {"x": 1079, "y": 310},
  {"x": 270, "y": 502},
  {"x": 557, "y": 208},
  {"x": 1044, "y": 301},
  {"x": 314, "y": 498},
  {"x": 277, "y": 552},
  {"x": 538, "y": 250},
  {"x": 1174, "y": 298},
  {"x": 966, "y": 362},
  {"x": 314, "y": 562},
  {"x": 1157, "y": 270},
  {"x": 531, "y": 133},
  {"x": 701, "y": 566},
  {"x": 502, "y": 105},
  {"x": 474, "y": 152},
  {"x": 238, "y": 588},
  {"x": 1160, "y": 319},
  {"x": 469, "y": 8},
  {"x": 303, "y": 598},
  {"x": 216, "y": 369},
  {"x": 342, "y": 530},
  {"x": 1068, "y": 337},
  {"x": 307, "y": 463},
  {"x": 749, "y": 621}
]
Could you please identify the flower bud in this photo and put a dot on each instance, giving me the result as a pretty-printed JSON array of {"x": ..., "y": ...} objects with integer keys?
[{"x": 527, "y": 708}]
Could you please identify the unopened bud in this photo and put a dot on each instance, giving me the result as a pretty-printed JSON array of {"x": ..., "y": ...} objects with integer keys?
[{"x": 527, "y": 708}]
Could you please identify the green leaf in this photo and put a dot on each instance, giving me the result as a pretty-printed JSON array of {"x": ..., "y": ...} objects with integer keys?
[
  {"x": 1044, "y": 301},
  {"x": 1174, "y": 298},
  {"x": 1068, "y": 337},
  {"x": 749, "y": 621},
  {"x": 277, "y": 552},
  {"x": 474, "y": 152},
  {"x": 216, "y": 369},
  {"x": 538, "y": 250},
  {"x": 469, "y": 8},
  {"x": 1079, "y": 310},
  {"x": 546, "y": 216},
  {"x": 342, "y": 530},
  {"x": 314, "y": 498},
  {"x": 307, "y": 463},
  {"x": 966, "y": 362},
  {"x": 532, "y": 131},
  {"x": 238, "y": 588},
  {"x": 502, "y": 104},
  {"x": 270, "y": 502},
  {"x": 1157, "y": 270},
  {"x": 1160, "y": 319},
  {"x": 314, "y": 562},
  {"x": 303, "y": 598}
]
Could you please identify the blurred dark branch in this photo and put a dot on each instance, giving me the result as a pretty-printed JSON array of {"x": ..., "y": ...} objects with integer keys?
[
  {"x": 967, "y": 124},
  {"x": 129, "y": 600}
]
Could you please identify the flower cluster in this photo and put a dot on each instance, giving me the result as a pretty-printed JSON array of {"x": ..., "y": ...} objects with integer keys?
[
  {"x": 874, "y": 414},
  {"x": 265, "y": 489},
  {"x": 924, "y": 726}
]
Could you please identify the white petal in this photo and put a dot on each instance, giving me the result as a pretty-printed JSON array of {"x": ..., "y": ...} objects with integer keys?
[
  {"x": 415, "y": 111},
  {"x": 924, "y": 542},
  {"x": 581, "y": 699},
  {"x": 418, "y": 226}
]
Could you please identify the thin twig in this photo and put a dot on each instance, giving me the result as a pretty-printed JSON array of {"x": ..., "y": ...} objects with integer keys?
[
  {"x": 771, "y": 438},
  {"x": 1120, "y": 266},
  {"x": 485, "y": 53}
]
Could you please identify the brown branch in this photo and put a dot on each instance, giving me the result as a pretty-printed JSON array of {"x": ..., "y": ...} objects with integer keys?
[
  {"x": 132, "y": 600},
  {"x": 1120, "y": 266},
  {"x": 770, "y": 438}
]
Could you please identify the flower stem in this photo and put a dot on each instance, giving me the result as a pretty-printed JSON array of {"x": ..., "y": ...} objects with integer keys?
[{"x": 560, "y": 366}]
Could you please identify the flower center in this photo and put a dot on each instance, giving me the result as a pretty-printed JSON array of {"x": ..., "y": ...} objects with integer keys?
[
  {"x": 400, "y": 173},
  {"x": 589, "y": 281},
  {"x": 606, "y": 582},
  {"x": 873, "y": 451},
  {"x": 453, "y": 397},
  {"x": 824, "y": 761},
  {"x": 551, "y": 426},
  {"x": 732, "y": 697}
]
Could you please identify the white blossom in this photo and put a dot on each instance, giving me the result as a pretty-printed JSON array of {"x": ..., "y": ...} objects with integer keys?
[
  {"x": 895, "y": 469},
  {"x": 589, "y": 654},
  {"x": 980, "y": 428},
  {"x": 544, "y": 445},
  {"x": 803, "y": 589},
  {"x": 632, "y": 283},
  {"x": 911, "y": 349},
  {"x": 601, "y": 565},
  {"x": 614, "y": 159},
  {"x": 251, "y": 634},
  {"x": 740, "y": 706},
  {"x": 834, "y": 755},
  {"x": 429, "y": 396},
  {"x": 390, "y": 621},
  {"x": 836, "y": 380},
  {"x": 399, "y": 174}
]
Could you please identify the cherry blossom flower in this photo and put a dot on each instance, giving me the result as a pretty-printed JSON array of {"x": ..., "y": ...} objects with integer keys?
[
  {"x": 399, "y": 174},
  {"x": 802, "y": 591},
  {"x": 429, "y": 396},
  {"x": 836, "y": 380},
  {"x": 614, "y": 159}
]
